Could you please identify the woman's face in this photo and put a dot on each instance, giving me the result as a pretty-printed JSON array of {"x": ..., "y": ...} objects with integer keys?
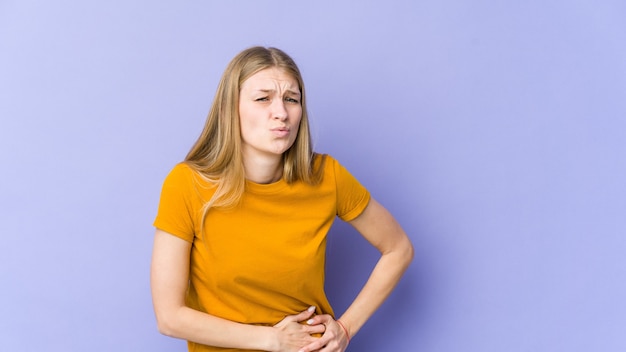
[{"x": 269, "y": 113}]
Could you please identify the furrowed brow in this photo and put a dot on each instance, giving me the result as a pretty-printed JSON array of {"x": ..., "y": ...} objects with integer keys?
[
  {"x": 293, "y": 92},
  {"x": 270, "y": 91}
]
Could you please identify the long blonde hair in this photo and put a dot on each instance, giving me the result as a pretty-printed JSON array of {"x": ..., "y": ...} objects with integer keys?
[{"x": 217, "y": 154}]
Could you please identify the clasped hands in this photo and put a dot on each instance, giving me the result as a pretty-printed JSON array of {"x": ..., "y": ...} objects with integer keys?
[{"x": 297, "y": 333}]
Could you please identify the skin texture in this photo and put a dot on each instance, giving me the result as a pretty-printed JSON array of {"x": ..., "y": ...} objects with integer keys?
[{"x": 270, "y": 113}]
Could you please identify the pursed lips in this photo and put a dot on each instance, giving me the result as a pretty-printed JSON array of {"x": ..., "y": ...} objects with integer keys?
[{"x": 280, "y": 131}]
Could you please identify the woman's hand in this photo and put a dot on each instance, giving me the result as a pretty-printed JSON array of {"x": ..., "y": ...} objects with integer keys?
[
  {"x": 293, "y": 335},
  {"x": 335, "y": 338}
]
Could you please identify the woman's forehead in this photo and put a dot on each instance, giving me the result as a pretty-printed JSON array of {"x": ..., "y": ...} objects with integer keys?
[{"x": 271, "y": 78}]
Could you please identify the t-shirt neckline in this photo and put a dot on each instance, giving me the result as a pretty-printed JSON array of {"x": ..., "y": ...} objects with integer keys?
[{"x": 266, "y": 188}]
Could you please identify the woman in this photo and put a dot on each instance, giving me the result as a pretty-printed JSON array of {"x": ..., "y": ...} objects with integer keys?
[{"x": 238, "y": 258}]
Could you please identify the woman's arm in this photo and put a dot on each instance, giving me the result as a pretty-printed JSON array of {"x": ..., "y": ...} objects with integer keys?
[
  {"x": 169, "y": 282},
  {"x": 379, "y": 228}
]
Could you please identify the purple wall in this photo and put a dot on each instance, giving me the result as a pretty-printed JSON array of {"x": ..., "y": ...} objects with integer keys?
[{"x": 494, "y": 131}]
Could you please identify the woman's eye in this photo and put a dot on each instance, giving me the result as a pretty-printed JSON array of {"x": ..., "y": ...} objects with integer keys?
[
  {"x": 262, "y": 99},
  {"x": 292, "y": 100}
]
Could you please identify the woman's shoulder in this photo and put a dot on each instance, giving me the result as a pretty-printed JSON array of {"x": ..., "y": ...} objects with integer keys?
[
  {"x": 332, "y": 167},
  {"x": 180, "y": 171},
  {"x": 327, "y": 162},
  {"x": 324, "y": 160},
  {"x": 184, "y": 179},
  {"x": 184, "y": 174}
]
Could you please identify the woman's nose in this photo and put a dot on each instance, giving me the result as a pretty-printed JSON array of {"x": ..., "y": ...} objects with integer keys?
[{"x": 278, "y": 110}]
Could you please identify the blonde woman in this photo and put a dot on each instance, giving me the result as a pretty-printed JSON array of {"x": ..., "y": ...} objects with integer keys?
[{"x": 239, "y": 249}]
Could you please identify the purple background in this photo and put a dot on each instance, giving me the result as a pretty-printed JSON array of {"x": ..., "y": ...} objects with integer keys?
[{"x": 493, "y": 130}]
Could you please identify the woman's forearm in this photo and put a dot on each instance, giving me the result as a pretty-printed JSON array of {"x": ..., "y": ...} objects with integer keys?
[
  {"x": 289, "y": 335},
  {"x": 384, "y": 277},
  {"x": 192, "y": 325},
  {"x": 380, "y": 229},
  {"x": 169, "y": 282}
]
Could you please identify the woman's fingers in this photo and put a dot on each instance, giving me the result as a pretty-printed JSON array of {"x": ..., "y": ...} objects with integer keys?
[
  {"x": 315, "y": 329},
  {"x": 304, "y": 315},
  {"x": 320, "y": 319},
  {"x": 297, "y": 318},
  {"x": 334, "y": 338},
  {"x": 296, "y": 332}
]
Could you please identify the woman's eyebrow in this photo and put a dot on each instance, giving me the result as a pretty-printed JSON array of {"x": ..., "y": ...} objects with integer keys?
[
  {"x": 288, "y": 91},
  {"x": 261, "y": 90}
]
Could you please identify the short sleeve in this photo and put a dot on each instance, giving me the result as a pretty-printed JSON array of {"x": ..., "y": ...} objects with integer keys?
[
  {"x": 175, "y": 213},
  {"x": 352, "y": 197}
]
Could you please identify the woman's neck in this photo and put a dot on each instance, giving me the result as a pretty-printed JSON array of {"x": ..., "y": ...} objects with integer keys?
[{"x": 263, "y": 170}]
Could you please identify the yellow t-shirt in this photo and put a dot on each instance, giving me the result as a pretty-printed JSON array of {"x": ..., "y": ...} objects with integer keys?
[{"x": 265, "y": 258}]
